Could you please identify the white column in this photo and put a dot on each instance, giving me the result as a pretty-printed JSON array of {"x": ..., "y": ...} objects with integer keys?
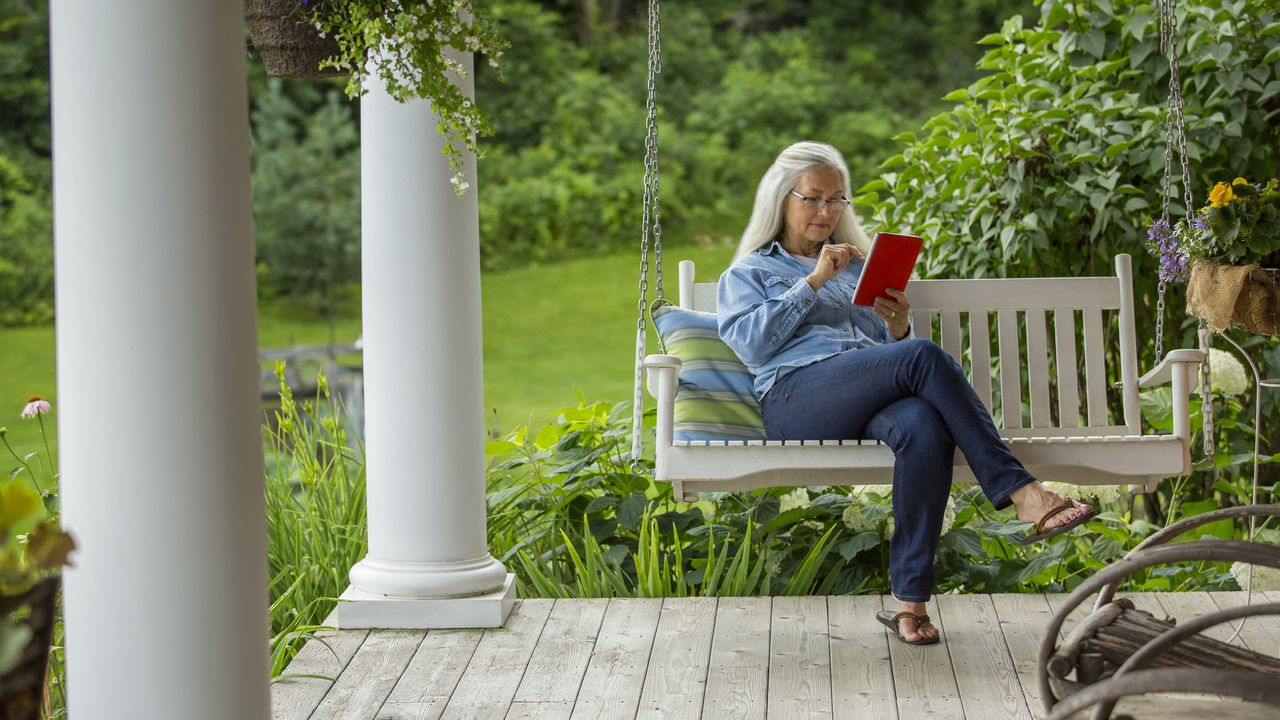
[
  {"x": 166, "y": 606},
  {"x": 428, "y": 563}
]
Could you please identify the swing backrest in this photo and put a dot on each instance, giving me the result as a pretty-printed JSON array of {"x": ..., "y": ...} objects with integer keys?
[{"x": 999, "y": 331}]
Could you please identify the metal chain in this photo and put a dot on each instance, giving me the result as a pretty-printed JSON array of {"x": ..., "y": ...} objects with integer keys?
[
  {"x": 651, "y": 227},
  {"x": 1176, "y": 137}
]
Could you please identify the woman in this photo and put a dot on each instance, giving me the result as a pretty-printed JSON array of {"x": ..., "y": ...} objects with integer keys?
[{"x": 827, "y": 369}]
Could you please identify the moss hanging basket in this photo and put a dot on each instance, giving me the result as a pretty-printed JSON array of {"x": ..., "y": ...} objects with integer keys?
[
  {"x": 290, "y": 46},
  {"x": 1243, "y": 296}
]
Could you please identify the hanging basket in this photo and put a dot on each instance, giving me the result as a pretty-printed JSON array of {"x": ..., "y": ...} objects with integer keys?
[
  {"x": 290, "y": 46},
  {"x": 22, "y": 687},
  {"x": 1243, "y": 296}
]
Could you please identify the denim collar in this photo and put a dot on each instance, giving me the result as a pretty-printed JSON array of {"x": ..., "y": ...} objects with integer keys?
[{"x": 775, "y": 246}]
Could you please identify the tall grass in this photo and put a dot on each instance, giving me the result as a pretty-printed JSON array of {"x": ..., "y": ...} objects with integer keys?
[{"x": 317, "y": 527}]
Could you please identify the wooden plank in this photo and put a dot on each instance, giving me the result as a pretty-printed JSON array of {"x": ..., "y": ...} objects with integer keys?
[
  {"x": 985, "y": 674},
  {"x": 1015, "y": 294},
  {"x": 951, "y": 333},
  {"x": 328, "y": 653},
  {"x": 436, "y": 668},
  {"x": 371, "y": 675},
  {"x": 540, "y": 710},
  {"x": 1184, "y": 606},
  {"x": 861, "y": 676},
  {"x": 615, "y": 675},
  {"x": 1038, "y": 369},
  {"x": 489, "y": 683},
  {"x": 738, "y": 676},
  {"x": 560, "y": 658},
  {"x": 1095, "y": 372},
  {"x": 980, "y": 349},
  {"x": 922, "y": 324},
  {"x": 923, "y": 679},
  {"x": 1023, "y": 619},
  {"x": 799, "y": 659},
  {"x": 1010, "y": 370},
  {"x": 1260, "y": 634},
  {"x": 677, "y": 675},
  {"x": 1064, "y": 335}
]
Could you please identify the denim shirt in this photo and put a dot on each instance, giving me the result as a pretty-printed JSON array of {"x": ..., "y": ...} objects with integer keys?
[{"x": 775, "y": 322}]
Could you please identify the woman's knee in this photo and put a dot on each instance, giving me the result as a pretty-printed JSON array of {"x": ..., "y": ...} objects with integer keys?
[{"x": 912, "y": 423}]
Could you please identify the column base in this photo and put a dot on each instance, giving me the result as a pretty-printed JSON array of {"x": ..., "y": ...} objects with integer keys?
[{"x": 359, "y": 609}]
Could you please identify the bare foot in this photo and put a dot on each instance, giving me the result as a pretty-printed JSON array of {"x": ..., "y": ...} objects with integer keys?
[
  {"x": 907, "y": 625},
  {"x": 1034, "y": 500}
]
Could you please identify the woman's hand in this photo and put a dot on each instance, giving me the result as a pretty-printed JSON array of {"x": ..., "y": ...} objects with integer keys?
[
  {"x": 896, "y": 312},
  {"x": 831, "y": 261}
]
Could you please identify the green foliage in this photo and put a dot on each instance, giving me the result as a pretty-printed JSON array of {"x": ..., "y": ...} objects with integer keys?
[
  {"x": 1244, "y": 226},
  {"x": 306, "y": 193},
  {"x": 26, "y": 247},
  {"x": 1051, "y": 162},
  {"x": 317, "y": 526}
]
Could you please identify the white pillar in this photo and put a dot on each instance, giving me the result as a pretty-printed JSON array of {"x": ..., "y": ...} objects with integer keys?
[
  {"x": 159, "y": 417},
  {"x": 428, "y": 563}
]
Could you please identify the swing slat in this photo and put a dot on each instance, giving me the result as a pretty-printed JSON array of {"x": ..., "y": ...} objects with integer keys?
[
  {"x": 980, "y": 349},
  {"x": 1038, "y": 368},
  {"x": 951, "y": 333},
  {"x": 1064, "y": 327},
  {"x": 1010, "y": 369},
  {"x": 1095, "y": 374}
]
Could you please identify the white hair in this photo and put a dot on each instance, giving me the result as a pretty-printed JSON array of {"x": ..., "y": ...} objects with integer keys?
[{"x": 766, "y": 222}]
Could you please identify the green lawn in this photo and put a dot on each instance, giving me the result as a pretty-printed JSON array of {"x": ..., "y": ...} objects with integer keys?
[{"x": 549, "y": 332}]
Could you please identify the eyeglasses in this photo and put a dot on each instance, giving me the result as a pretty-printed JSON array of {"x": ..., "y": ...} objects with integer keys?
[{"x": 816, "y": 203}]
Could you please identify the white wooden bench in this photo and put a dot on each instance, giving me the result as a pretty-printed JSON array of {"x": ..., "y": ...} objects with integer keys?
[{"x": 1032, "y": 388}]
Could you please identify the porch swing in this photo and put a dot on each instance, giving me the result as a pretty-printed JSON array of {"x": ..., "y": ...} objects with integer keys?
[{"x": 709, "y": 435}]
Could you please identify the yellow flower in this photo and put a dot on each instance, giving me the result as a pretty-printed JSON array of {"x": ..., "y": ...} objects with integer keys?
[
  {"x": 1239, "y": 181},
  {"x": 1220, "y": 195}
]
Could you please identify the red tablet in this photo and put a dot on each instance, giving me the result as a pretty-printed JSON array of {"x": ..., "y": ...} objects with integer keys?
[{"x": 889, "y": 265}]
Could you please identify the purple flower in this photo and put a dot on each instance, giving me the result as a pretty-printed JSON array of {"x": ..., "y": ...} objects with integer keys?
[
  {"x": 35, "y": 406},
  {"x": 1163, "y": 243}
]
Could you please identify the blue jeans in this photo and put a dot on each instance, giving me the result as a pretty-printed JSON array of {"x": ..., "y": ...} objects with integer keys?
[{"x": 914, "y": 397}]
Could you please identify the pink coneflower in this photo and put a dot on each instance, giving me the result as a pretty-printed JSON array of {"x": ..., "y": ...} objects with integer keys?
[{"x": 35, "y": 406}]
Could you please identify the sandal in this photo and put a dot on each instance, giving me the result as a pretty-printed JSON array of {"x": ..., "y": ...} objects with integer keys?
[
  {"x": 890, "y": 620},
  {"x": 1040, "y": 532}
]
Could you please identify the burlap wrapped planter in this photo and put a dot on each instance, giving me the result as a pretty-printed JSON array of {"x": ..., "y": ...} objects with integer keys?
[
  {"x": 1243, "y": 296},
  {"x": 289, "y": 45},
  {"x": 22, "y": 687}
]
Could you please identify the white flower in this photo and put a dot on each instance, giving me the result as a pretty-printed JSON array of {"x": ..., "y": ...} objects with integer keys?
[
  {"x": 888, "y": 527},
  {"x": 816, "y": 525},
  {"x": 855, "y": 520},
  {"x": 948, "y": 516},
  {"x": 35, "y": 406},
  {"x": 798, "y": 498},
  {"x": 863, "y": 490},
  {"x": 1071, "y": 491},
  {"x": 1264, "y": 578},
  {"x": 1226, "y": 374}
]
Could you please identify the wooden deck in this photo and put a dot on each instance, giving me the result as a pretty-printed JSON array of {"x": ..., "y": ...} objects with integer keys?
[{"x": 733, "y": 658}]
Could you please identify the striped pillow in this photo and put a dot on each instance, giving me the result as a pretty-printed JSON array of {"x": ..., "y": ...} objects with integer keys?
[{"x": 715, "y": 400}]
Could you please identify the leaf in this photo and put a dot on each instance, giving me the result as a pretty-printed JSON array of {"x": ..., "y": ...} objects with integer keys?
[
  {"x": 856, "y": 544},
  {"x": 631, "y": 509},
  {"x": 18, "y": 502},
  {"x": 965, "y": 541},
  {"x": 48, "y": 547}
]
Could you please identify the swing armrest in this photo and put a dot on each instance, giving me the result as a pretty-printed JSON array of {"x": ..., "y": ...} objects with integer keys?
[
  {"x": 663, "y": 375},
  {"x": 1162, "y": 373},
  {"x": 658, "y": 368}
]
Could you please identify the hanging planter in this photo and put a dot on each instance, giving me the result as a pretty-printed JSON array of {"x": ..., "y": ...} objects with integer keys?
[
  {"x": 22, "y": 685},
  {"x": 1242, "y": 296},
  {"x": 289, "y": 44}
]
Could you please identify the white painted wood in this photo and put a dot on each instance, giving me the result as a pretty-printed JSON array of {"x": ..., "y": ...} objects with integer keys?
[
  {"x": 1023, "y": 619},
  {"x": 420, "y": 267},
  {"x": 704, "y": 297},
  {"x": 1064, "y": 333},
  {"x": 1128, "y": 345},
  {"x": 165, "y": 604},
  {"x": 738, "y": 676},
  {"x": 1015, "y": 294},
  {"x": 1094, "y": 369},
  {"x": 923, "y": 679},
  {"x": 615, "y": 675},
  {"x": 985, "y": 675},
  {"x": 1038, "y": 369},
  {"x": 686, "y": 284},
  {"x": 799, "y": 659},
  {"x": 922, "y": 324},
  {"x": 370, "y": 676},
  {"x": 436, "y": 667},
  {"x": 487, "y": 687},
  {"x": 299, "y": 697},
  {"x": 677, "y": 675},
  {"x": 861, "y": 674},
  {"x": 561, "y": 656},
  {"x": 1049, "y": 447},
  {"x": 951, "y": 333},
  {"x": 1010, "y": 369},
  {"x": 980, "y": 349}
]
